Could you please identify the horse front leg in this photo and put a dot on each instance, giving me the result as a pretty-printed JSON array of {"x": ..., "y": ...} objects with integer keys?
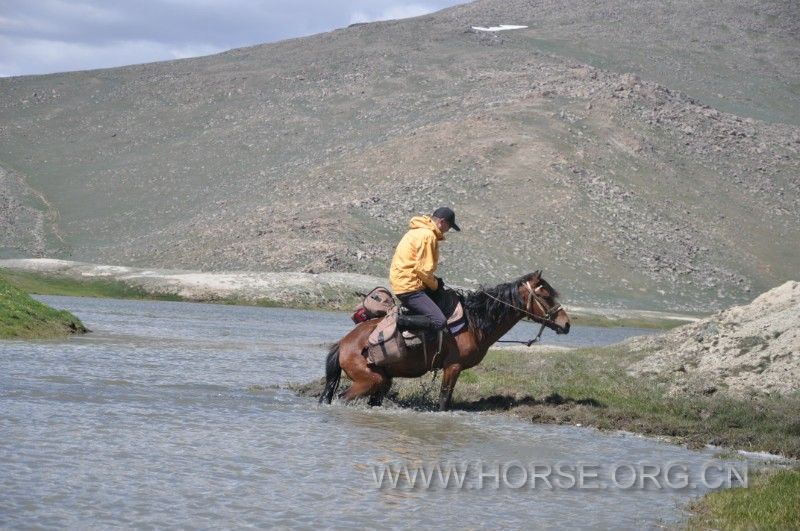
[{"x": 449, "y": 378}]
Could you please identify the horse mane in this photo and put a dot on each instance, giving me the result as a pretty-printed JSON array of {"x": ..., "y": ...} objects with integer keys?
[{"x": 486, "y": 307}]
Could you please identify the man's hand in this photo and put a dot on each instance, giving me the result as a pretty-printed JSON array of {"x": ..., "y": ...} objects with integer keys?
[
  {"x": 439, "y": 288},
  {"x": 439, "y": 284}
]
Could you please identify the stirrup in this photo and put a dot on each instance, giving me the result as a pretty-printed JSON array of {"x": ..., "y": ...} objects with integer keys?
[{"x": 440, "y": 342}]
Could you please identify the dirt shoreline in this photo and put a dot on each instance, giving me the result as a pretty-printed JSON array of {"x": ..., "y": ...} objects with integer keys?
[
  {"x": 337, "y": 291},
  {"x": 590, "y": 387}
]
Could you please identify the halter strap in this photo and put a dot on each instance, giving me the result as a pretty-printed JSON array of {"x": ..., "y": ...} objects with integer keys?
[{"x": 534, "y": 298}]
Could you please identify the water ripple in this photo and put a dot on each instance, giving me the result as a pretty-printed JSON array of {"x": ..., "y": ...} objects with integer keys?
[{"x": 173, "y": 415}]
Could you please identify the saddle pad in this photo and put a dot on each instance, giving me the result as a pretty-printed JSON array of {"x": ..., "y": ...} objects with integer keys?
[
  {"x": 457, "y": 315},
  {"x": 455, "y": 324},
  {"x": 385, "y": 346},
  {"x": 387, "y": 353}
]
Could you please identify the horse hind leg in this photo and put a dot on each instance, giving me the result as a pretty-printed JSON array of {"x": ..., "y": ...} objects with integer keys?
[
  {"x": 369, "y": 383},
  {"x": 356, "y": 390},
  {"x": 367, "y": 380},
  {"x": 376, "y": 398}
]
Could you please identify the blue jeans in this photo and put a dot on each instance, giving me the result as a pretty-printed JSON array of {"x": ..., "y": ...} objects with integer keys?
[{"x": 419, "y": 303}]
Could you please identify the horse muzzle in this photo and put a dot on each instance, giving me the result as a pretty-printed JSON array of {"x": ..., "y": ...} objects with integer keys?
[{"x": 561, "y": 322}]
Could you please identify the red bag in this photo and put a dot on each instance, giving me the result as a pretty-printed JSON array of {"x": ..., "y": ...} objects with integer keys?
[{"x": 360, "y": 315}]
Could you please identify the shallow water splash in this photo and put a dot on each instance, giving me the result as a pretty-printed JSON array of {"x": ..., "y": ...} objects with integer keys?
[{"x": 176, "y": 414}]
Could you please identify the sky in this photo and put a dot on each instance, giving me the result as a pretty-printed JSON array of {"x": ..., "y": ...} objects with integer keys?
[{"x": 45, "y": 36}]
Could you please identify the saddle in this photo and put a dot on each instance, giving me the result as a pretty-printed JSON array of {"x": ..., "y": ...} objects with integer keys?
[{"x": 386, "y": 346}]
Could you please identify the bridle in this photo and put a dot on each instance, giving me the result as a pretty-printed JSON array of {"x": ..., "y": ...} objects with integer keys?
[
  {"x": 549, "y": 313},
  {"x": 534, "y": 301},
  {"x": 539, "y": 302}
]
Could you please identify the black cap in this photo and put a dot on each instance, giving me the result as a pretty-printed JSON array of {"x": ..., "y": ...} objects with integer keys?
[{"x": 448, "y": 215}]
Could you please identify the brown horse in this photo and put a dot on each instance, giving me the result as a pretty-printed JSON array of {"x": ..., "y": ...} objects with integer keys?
[{"x": 490, "y": 314}]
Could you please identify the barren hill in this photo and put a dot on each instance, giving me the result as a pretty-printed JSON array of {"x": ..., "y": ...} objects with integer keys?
[
  {"x": 752, "y": 349},
  {"x": 642, "y": 155}
]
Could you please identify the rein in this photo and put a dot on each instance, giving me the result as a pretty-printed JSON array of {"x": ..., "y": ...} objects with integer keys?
[{"x": 533, "y": 298}]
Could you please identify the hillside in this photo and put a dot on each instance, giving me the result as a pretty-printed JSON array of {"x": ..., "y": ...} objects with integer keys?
[
  {"x": 746, "y": 350},
  {"x": 644, "y": 156}
]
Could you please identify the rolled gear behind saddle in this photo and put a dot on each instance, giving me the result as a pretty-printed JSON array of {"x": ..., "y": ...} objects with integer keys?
[{"x": 376, "y": 303}]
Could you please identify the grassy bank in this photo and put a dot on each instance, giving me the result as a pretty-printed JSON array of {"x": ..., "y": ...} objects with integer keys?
[
  {"x": 48, "y": 284},
  {"x": 341, "y": 299},
  {"x": 38, "y": 283},
  {"x": 771, "y": 501},
  {"x": 25, "y": 318},
  {"x": 591, "y": 387},
  {"x": 603, "y": 321}
]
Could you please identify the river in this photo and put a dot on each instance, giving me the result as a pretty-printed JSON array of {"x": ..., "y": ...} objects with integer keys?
[{"x": 177, "y": 414}]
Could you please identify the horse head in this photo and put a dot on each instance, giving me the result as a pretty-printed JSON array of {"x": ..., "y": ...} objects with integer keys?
[{"x": 541, "y": 303}]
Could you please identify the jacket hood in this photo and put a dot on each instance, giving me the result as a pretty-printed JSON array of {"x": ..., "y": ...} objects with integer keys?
[{"x": 425, "y": 222}]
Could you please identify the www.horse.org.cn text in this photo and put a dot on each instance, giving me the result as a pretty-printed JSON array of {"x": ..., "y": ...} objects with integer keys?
[{"x": 561, "y": 475}]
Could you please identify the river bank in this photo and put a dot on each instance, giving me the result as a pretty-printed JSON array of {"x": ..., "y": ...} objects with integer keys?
[
  {"x": 22, "y": 317},
  {"x": 326, "y": 291},
  {"x": 591, "y": 387},
  {"x": 770, "y": 501}
]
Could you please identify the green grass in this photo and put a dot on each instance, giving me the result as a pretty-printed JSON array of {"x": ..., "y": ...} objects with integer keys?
[
  {"x": 771, "y": 501},
  {"x": 46, "y": 284},
  {"x": 591, "y": 387},
  {"x": 38, "y": 283},
  {"x": 628, "y": 322},
  {"x": 25, "y": 318}
]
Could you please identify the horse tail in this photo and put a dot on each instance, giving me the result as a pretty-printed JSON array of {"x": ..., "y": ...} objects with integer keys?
[{"x": 333, "y": 373}]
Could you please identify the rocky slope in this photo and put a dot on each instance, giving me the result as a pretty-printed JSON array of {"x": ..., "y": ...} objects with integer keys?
[
  {"x": 644, "y": 156},
  {"x": 746, "y": 350}
]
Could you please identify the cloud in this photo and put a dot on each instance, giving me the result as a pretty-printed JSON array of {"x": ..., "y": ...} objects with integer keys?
[
  {"x": 392, "y": 13},
  {"x": 46, "y": 36},
  {"x": 41, "y": 55}
]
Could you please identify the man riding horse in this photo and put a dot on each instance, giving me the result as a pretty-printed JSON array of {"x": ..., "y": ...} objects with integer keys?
[
  {"x": 490, "y": 313},
  {"x": 413, "y": 266}
]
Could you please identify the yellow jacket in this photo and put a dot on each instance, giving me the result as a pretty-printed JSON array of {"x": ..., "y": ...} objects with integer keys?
[{"x": 416, "y": 257}]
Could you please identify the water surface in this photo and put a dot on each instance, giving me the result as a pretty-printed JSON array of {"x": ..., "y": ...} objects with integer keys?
[{"x": 176, "y": 414}]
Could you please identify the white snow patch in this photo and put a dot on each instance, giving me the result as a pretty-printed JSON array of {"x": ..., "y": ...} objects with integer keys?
[{"x": 502, "y": 27}]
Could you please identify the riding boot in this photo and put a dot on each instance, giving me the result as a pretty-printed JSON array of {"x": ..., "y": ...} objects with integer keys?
[{"x": 415, "y": 322}]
